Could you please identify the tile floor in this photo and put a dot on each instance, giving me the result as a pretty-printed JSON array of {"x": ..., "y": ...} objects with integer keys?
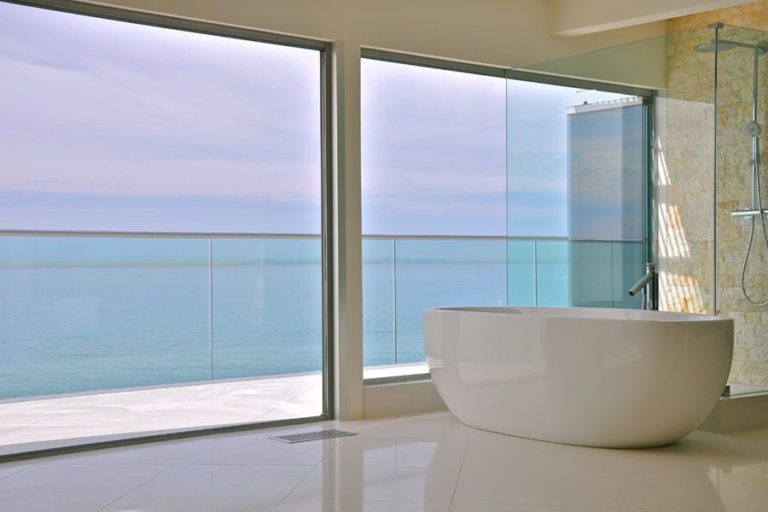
[{"x": 420, "y": 463}]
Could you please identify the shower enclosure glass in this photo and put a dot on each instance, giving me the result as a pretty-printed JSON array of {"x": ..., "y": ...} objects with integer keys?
[
  {"x": 739, "y": 60},
  {"x": 709, "y": 125},
  {"x": 707, "y": 131}
]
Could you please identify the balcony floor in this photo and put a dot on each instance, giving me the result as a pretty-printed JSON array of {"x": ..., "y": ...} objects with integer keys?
[
  {"x": 42, "y": 423},
  {"x": 70, "y": 420}
]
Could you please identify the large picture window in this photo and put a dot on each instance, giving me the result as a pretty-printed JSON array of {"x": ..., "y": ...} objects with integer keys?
[
  {"x": 433, "y": 157},
  {"x": 488, "y": 189},
  {"x": 160, "y": 213}
]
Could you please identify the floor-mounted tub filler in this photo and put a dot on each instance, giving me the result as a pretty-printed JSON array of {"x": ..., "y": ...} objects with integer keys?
[{"x": 592, "y": 377}]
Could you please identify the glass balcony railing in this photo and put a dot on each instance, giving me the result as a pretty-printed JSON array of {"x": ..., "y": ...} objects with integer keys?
[
  {"x": 88, "y": 313},
  {"x": 404, "y": 275},
  {"x": 104, "y": 312}
]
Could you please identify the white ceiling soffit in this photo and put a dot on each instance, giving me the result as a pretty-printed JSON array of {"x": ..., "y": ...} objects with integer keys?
[{"x": 579, "y": 17}]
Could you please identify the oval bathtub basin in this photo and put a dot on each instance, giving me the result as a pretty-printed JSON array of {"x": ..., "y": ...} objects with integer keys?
[{"x": 582, "y": 376}]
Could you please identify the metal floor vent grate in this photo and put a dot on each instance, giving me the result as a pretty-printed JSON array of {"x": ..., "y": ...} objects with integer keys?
[{"x": 317, "y": 435}]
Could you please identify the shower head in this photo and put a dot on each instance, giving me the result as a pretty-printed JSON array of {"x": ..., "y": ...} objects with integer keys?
[
  {"x": 724, "y": 45},
  {"x": 710, "y": 47}
]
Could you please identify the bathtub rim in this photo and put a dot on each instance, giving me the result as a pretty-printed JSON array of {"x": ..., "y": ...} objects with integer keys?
[{"x": 586, "y": 313}]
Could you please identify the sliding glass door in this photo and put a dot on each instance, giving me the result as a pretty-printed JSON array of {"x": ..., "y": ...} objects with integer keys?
[{"x": 161, "y": 211}]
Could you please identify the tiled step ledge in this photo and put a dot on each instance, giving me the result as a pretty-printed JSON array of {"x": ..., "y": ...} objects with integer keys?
[{"x": 738, "y": 412}]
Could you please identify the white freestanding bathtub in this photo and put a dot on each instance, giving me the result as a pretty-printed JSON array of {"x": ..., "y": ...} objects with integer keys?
[{"x": 583, "y": 376}]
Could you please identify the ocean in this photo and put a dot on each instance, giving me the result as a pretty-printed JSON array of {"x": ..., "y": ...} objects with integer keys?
[{"x": 80, "y": 314}]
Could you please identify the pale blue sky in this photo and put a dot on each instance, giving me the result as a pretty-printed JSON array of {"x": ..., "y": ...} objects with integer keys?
[
  {"x": 109, "y": 125},
  {"x": 116, "y": 126}
]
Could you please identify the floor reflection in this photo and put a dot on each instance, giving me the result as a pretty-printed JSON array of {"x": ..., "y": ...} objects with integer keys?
[{"x": 419, "y": 463}]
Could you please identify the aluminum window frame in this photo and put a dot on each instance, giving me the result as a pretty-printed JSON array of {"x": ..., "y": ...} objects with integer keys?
[
  {"x": 501, "y": 72},
  {"x": 648, "y": 97}
]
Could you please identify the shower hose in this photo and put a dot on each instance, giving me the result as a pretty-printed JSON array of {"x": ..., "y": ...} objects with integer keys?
[{"x": 760, "y": 214}]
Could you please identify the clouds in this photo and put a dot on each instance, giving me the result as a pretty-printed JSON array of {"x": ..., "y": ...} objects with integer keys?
[
  {"x": 95, "y": 106},
  {"x": 110, "y": 125},
  {"x": 433, "y": 151}
]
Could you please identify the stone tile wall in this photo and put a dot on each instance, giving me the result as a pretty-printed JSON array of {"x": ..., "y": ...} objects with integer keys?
[{"x": 684, "y": 153}]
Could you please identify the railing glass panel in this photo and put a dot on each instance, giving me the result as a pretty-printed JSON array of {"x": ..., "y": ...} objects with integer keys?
[
  {"x": 434, "y": 273},
  {"x": 601, "y": 272},
  {"x": 379, "y": 302},
  {"x": 405, "y": 276},
  {"x": 266, "y": 307},
  {"x": 521, "y": 272},
  {"x": 90, "y": 313},
  {"x": 82, "y": 314},
  {"x": 628, "y": 266},
  {"x": 551, "y": 273}
]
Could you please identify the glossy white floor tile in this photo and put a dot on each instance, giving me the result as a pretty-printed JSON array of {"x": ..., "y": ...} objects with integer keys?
[
  {"x": 76, "y": 487},
  {"x": 423, "y": 463},
  {"x": 516, "y": 488},
  {"x": 245, "y": 448},
  {"x": 167, "y": 453},
  {"x": 345, "y": 480},
  {"x": 133, "y": 503},
  {"x": 360, "y": 506},
  {"x": 264, "y": 485}
]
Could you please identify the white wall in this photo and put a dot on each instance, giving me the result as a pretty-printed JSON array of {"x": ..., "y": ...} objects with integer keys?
[
  {"x": 610, "y": 64},
  {"x": 507, "y": 33},
  {"x": 579, "y": 17}
]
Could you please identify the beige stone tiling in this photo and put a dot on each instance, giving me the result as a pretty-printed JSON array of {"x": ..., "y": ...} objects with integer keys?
[{"x": 686, "y": 192}]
